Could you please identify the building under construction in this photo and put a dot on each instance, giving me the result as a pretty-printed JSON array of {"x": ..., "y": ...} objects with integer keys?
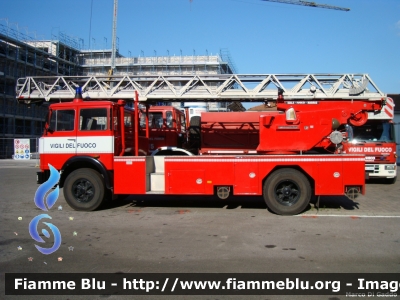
[
  {"x": 22, "y": 55},
  {"x": 98, "y": 62}
]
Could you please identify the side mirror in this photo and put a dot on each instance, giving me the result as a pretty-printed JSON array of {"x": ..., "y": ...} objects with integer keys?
[
  {"x": 349, "y": 131},
  {"x": 47, "y": 127}
]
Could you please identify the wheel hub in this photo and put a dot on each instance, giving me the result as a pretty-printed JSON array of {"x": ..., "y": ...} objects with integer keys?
[
  {"x": 83, "y": 190},
  {"x": 287, "y": 193}
]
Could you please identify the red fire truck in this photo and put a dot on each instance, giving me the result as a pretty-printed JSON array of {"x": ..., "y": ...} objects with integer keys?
[
  {"x": 101, "y": 149},
  {"x": 377, "y": 140}
]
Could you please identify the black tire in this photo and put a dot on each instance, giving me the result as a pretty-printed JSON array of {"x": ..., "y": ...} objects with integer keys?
[
  {"x": 84, "y": 189},
  {"x": 287, "y": 192}
]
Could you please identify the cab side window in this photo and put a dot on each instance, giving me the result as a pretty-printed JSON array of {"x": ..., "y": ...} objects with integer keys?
[
  {"x": 127, "y": 119},
  {"x": 156, "y": 120},
  {"x": 183, "y": 123},
  {"x": 170, "y": 121},
  {"x": 62, "y": 120},
  {"x": 93, "y": 119}
]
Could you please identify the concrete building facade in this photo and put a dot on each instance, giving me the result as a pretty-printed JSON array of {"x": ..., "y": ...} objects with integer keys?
[{"x": 21, "y": 55}]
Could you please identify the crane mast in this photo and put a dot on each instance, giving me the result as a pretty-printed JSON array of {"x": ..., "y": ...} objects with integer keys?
[
  {"x": 308, "y": 3},
  {"x": 114, "y": 37}
]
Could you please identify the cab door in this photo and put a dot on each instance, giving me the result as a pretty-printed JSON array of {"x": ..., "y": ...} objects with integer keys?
[
  {"x": 58, "y": 143},
  {"x": 96, "y": 133}
]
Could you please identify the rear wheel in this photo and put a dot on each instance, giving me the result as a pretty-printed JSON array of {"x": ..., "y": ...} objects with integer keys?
[
  {"x": 84, "y": 189},
  {"x": 287, "y": 192}
]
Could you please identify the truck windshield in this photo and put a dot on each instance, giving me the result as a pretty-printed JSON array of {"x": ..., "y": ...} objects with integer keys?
[
  {"x": 62, "y": 120},
  {"x": 156, "y": 120},
  {"x": 373, "y": 130}
]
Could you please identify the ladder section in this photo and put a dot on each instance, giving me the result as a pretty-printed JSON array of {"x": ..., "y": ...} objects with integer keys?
[
  {"x": 155, "y": 176},
  {"x": 222, "y": 87}
]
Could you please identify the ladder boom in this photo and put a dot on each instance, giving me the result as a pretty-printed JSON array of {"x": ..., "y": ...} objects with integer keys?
[{"x": 218, "y": 87}]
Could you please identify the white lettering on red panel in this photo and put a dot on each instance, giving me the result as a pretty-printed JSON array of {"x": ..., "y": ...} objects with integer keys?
[
  {"x": 370, "y": 149},
  {"x": 95, "y": 144}
]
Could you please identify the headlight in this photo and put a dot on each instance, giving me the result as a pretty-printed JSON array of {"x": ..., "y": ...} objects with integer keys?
[{"x": 391, "y": 167}]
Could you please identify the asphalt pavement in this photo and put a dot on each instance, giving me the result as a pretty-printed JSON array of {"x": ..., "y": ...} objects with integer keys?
[{"x": 199, "y": 234}]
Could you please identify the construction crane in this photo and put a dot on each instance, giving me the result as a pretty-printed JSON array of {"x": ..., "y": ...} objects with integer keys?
[
  {"x": 308, "y": 3},
  {"x": 114, "y": 38}
]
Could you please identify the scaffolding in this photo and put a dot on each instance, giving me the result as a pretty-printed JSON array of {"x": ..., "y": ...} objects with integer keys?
[
  {"x": 28, "y": 54},
  {"x": 97, "y": 62}
]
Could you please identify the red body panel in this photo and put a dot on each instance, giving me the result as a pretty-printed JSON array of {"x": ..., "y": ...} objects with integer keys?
[
  {"x": 232, "y": 131},
  {"x": 309, "y": 130},
  {"x": 56, "y": 160},
  {"x": 348, "y": 107},
  {"x": 129, "y": 175},
  {"x": 211, "y": 172},
  {"x": 199, "y": 175}
]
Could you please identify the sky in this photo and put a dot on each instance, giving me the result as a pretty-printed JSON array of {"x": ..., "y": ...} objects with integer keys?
[{"x": 262, "y": 37}]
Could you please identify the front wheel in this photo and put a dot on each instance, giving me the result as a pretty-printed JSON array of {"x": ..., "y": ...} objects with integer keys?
[
  {"x": 84, "y": 189},
  {"x": 287, "y": 192}
]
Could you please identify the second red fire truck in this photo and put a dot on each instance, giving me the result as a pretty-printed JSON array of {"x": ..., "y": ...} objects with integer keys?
[{"x": 377, "y": 140}]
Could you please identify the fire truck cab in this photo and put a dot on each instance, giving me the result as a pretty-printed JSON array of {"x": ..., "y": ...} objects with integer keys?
[
  {"x": 376, "y": 139},
  {"x": 101, "y": 130},
  {"x": 166, "y": 130}
]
